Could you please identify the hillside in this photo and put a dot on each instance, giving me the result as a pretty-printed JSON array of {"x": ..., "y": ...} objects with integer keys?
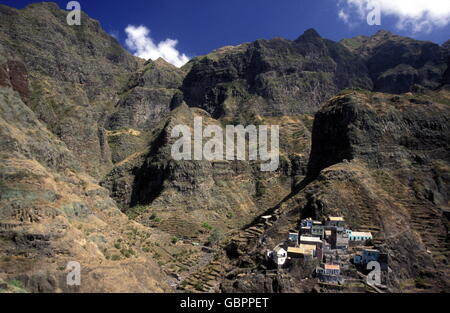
[{"x": 87, "y": 173}]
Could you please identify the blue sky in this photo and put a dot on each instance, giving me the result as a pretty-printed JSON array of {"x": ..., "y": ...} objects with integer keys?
[{"x": 201, "y": 26}]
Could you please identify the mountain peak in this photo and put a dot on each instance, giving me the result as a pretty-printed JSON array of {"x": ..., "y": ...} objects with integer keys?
[
  {"x": 48, "y": 5},
  {"x": 309, "y": 34},
  {"x": 383, "y": 33}
]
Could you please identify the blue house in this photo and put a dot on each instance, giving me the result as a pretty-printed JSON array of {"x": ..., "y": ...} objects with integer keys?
[
  {"x": 293, "y": 238},
  {"x": 366, "y": 257}
]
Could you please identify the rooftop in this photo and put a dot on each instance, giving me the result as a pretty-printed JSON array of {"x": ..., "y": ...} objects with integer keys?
[
  {"x": 332, "y": 267},
  {"x": 294, "y": 250},
  {"x": 278, "y": 249},
  {"x": 336, "y": 218},
  {"x": 306, "y": 247},
  {"x": 361, "y": 234},
  {"x": 310, "y": 239},
  {"x": 303, "y": 249}
]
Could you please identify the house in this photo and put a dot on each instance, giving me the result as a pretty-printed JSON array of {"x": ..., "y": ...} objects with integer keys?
[
  {"x": 328, "y": 235},
  {"x": 279, "y": 256},
  {"x": 357, "y": 259},
  {"x": 314, "y": 241},
  {"x": 293, "y": 239},
  {"x": 359, "y": 236},
  {"x": 307, "y": 222},
  {"x": 330, "y": 273},
  {"x": 307, "y": 252},
  {"x": 306, "y": 230},
  {"x": 311, "y": 240},
  {"x": 266, "y": 219},
  {"x": 366, "y": 256},
  {"x": 339, "y": 238},
  {"x": 335, "y": 221},
  {"x": 369, "y": 255},
  {"x": 317, "y": 230},
  {"x": 294, "y": 253}
]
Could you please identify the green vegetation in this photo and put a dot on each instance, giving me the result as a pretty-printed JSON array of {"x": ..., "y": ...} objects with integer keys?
[
  {"x": 128, "y": 253},
  {"x": 260, "y": 189},
  {"x": 207, "y": 226},
  {"x": 420, "y": 283},
  {"x": 199, "y": 286},
  {"x": 351, "y": 43},
  {"x": 155, "y": 218},
  {"x": 134, "y": 212},
  {"x": 215, "y": 236},
  {"x": 16, "y": 284}
]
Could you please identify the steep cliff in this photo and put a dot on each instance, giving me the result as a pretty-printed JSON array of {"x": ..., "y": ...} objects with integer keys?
[
  {"x": 382, "y": 162},
  {"x": 272, "y": 77},
  {"x": 77, "y": 109},
  {"x": 399, "y": 64}
]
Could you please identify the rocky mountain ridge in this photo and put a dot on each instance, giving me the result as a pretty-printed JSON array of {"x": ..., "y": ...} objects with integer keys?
[{"x": 78, "y": 111}]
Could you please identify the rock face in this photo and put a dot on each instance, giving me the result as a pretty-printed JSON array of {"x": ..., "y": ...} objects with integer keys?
[
  {"x": 223, "y": 194},
  {"x": 52, "y": 214},
  {"x": 400, "y": 187},
  {"x": 396, "y": 64},
  {"x": 382, "y": 162},
  {"x": 273, "y": 77},
  {"x": 57, "y": 85},
  {"x": 86, "y": 171},
  {"x": 147, "y": 96},
  {"x": 66, "y": 65}
]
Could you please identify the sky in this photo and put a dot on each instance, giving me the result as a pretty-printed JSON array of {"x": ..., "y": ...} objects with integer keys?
[{"x": 178, "y": 30}]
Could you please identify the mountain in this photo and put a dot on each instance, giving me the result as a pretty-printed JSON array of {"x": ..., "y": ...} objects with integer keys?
[
  {"x": 273, "y": 77},
  {"x": 87, "y": 173},
  {"x": 382, "y": 162},
  {"x": 398, "y": 64}
]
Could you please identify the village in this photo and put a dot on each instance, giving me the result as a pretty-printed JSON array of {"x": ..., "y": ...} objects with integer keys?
[{"x": 334, "y": 253}]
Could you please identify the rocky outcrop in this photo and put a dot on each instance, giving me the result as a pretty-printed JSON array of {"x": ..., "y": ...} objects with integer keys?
[
  {"x": 71, "y": 89},
  {"x": 272, "y": 77},
  {"x": 52, "y": 213},
  {"x": 396, "y": 64},
  {"x": 147, "y": 96},
  {"x": 382, "y": 162},
  {"x": 385, "y": 131},
  {"x": 15, "y": 75},
  {"x": 225, "y": 194}
]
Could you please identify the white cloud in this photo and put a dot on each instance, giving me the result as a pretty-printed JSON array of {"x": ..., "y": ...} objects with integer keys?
[
  {"x": 411, "y": 15},
  {"x": 142, "y": 45}
]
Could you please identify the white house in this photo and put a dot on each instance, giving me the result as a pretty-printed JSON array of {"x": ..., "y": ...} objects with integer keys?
[
  {"x": 359, "y": 236},
  {"x": 279, "y": 256}
]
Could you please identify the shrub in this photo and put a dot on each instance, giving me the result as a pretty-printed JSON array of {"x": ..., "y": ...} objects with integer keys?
[
  {"x": 214, "y": 237},
  {"x": 207, "y": 226},
  {"x": 16, "y": 283}
]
